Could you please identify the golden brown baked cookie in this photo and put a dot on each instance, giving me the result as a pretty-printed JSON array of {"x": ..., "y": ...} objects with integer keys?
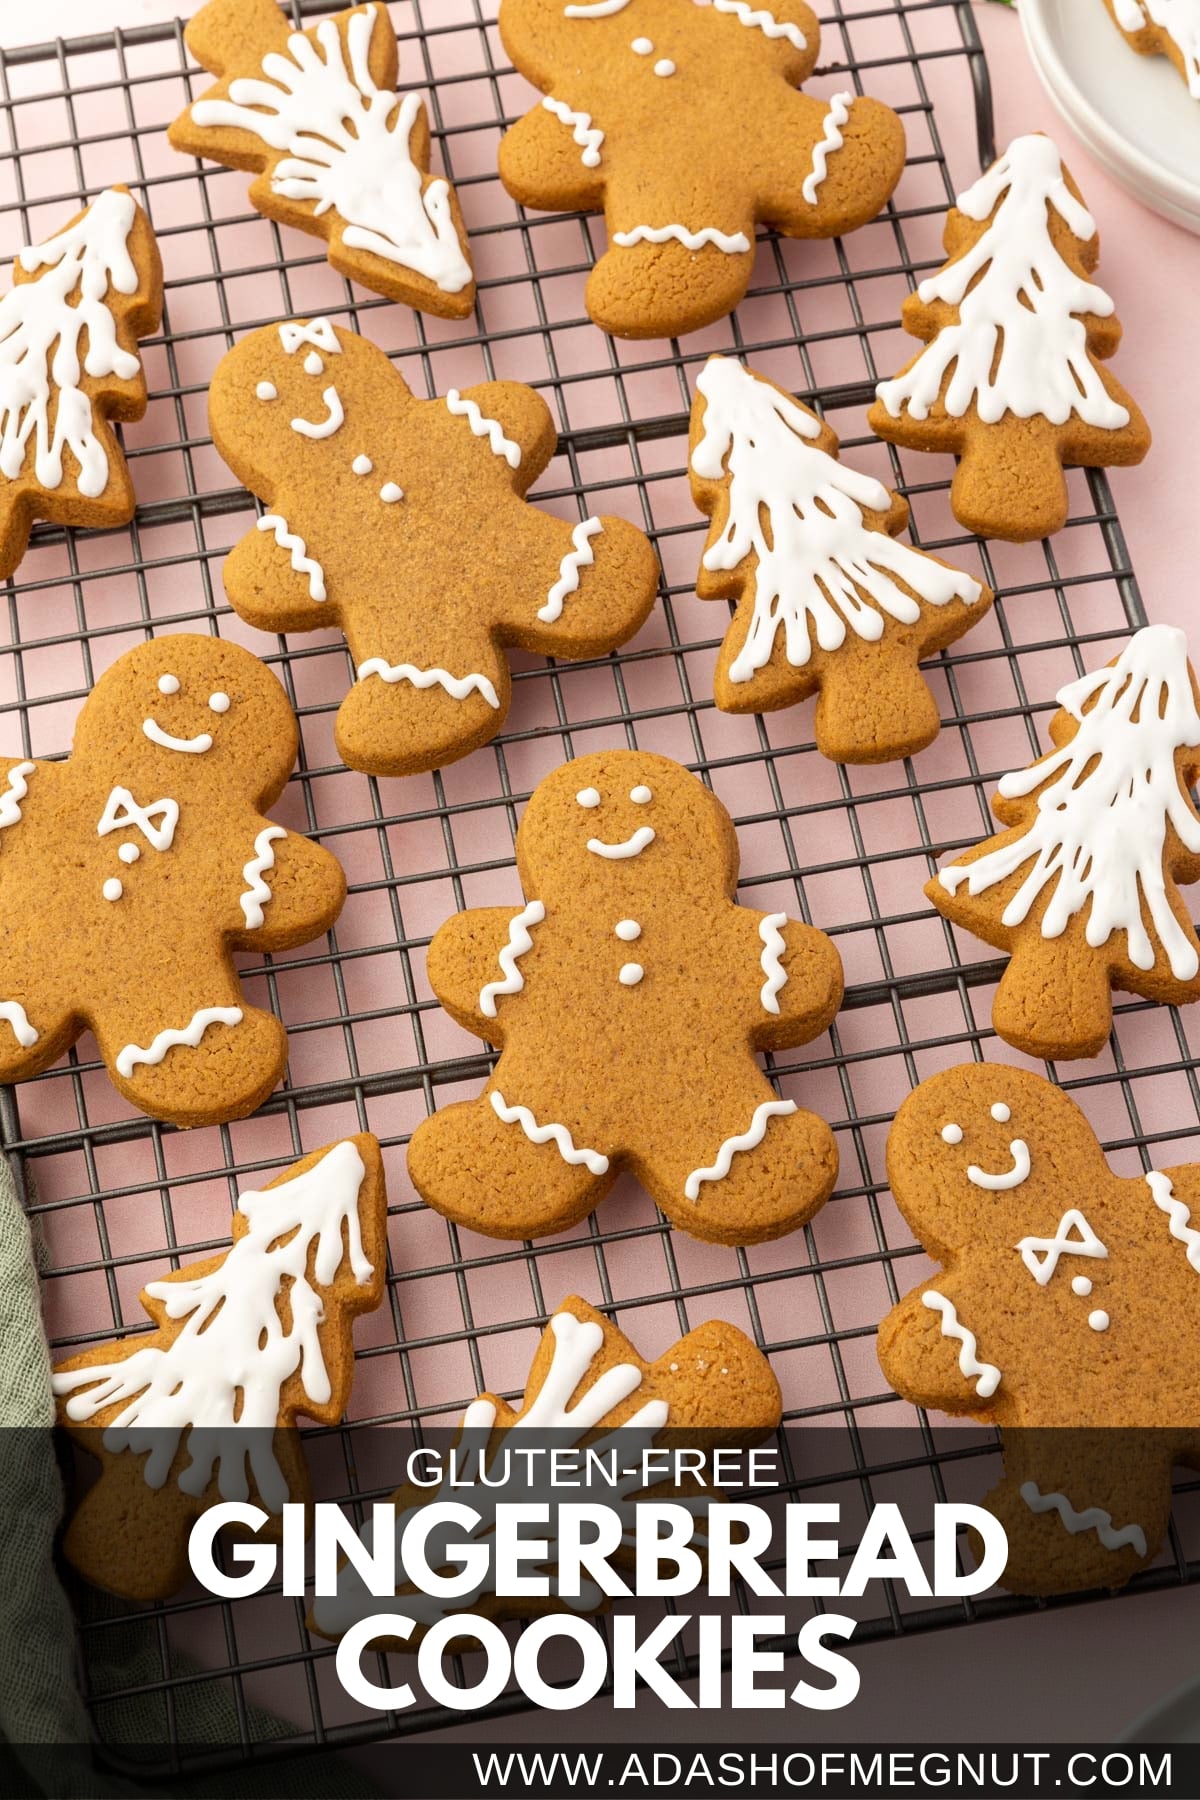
[
  {"x": 828, "y": 602},
  {"x": 130, "y": 873},
  {"x": 1010, "y": 377},
  {"x": 1065, "y": 1291},
  {"x": 1163, "y": 28},
  {"x": 586, "y": 1380},
  {"x": 204, "y": 1407},
  {"x": 1081, "y": 889},
  {"x": 682, "y": 123},
  {"x": 629, "y": 996},
  {"x": 69, "y": 366},
  {"x": 334, "y": 150},
  {"x": 405, "y": 522}
]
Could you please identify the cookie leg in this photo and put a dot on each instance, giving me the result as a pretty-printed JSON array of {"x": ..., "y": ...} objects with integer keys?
[
  {"x": 648, "y": 290},
  {"x": 400, "y": 717},
  {"x": 489, "y": 1174},
  {"x": 744, "y": 1170},
  {"x": 199, "y": 1055}
]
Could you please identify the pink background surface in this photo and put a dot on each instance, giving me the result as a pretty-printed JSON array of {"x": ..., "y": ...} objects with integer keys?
[{"x": 1152, "y": 270}]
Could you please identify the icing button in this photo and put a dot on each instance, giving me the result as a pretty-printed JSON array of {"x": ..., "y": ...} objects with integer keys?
[
  {"x": 1098, "y": 1320},
  {"x": 627, "y": 930},
  {"x": 630, "y": 974}
]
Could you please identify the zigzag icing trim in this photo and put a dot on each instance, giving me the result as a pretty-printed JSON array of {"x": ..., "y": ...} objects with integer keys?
[
  {"x": 1177, "y": 1213},
  {"x": 589, "y": 137},
  {"x": 568, "y": 570},
  {"x": 457, "y": 686},
  {"x": 691, "y": 240},
  {"x": 10, "y": 800},
  {"x": 968, "y": 1358},
  {"x": 257, "y": 892},
  {"x": 488, "y": 428},
  {"x": 831, "y": 139},
  {"x": 301, "y": 561},
  {"x": 774, "y": 946},
  {"x": 193, "y": 1031},
  {"x": 570, "y": 1152},
  {"x": 1093, "y": 1519},
  {"x": 519, "y": 941},
  {"x": 761, "y": 20},
  {"x": 747, "y": 1140}
]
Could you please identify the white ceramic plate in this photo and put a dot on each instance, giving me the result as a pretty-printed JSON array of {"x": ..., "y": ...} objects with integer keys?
[{"x": 1133, "y": 112}]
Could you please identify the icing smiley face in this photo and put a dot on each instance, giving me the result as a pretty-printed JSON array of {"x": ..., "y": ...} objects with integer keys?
[
  {"x": 169, "y": 685},
  {"x": 638, "y": 840},
  {"x": 993, "y": 1181}
]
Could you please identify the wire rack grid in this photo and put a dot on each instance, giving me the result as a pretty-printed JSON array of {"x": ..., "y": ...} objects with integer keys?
[{"x": 116, "y": 1197}]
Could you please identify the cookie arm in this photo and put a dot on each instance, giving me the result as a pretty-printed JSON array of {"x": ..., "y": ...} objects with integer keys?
[
  {"x": 541, "y": 165},
  {"x": 520, "y": 414},
  {"x": 921, "y": 1359},
  {"x": 464, "y": 959},
  {"x": 798, "y": 1007},
  {"x": 292, "y": 889},
  {"x": 579, "y": 590},
  {"x": 828, "y": 168},
  {"x": 275, "y": 582}
]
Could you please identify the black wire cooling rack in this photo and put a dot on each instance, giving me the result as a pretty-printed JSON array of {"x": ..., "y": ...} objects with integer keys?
[{"x": 117, "y": 1197}]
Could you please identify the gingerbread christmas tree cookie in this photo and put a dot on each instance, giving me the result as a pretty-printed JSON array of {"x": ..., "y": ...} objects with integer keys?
[
  {"x": 682, "y": 123},
  {"x": 1014, "y": 330},
  {"x": 405, "y": 522},
  {"x": 204, "y": 1407},
  {"x": 335, "y": 150},
  {"x": 1067, "y": 1313},
  {"x": 828, "y": 601},
  {"x": 586, "y": 1382},
  {"x": 131, "y": 872},
  {"x": 1082, "y": 888},
  {"x": 1163, "y": 28},
  {"x": 629, "y": 995},
  {"x": 69, "y": 367}
]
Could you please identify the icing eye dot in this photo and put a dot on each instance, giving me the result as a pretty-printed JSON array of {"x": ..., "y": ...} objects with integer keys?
[
  {"x": 627, "y": 930},
  {"x": 1081, "y": 1286},
  {"x": 168, "y": 684},
  {"x": 362, "y": 465},
  {"x": 112, "y": 889},
  {"x": 640, "y": 795},
  {"x": 313, "y": 364},
  {"x": 588, "y": 797},
  {"x": 642, "y": 46},
  {"x": 218, "y": 703},
  {"x": 664, "y": 67},
  {"x": 129, "y": 853},
  {"x": 389, "y": 493},
  {"x": 1098, "y": 1321},
  {"x": 1001, "y": 1113},
  {"x": 630, "y": 974},
  {"x": 952, "y": 1134},
  {"x": 266, "y": 390}
]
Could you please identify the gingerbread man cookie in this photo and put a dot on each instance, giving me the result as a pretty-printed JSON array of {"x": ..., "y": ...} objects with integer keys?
[
  {"x": 629, "y": 995},
  {"x": 336, "y": 152},
  {"x": 405, "y": 522},
  {"x": 1068, "y": 1314},
  {"x": 130, "y": 873},
  {"x": 69, "y": 366},
  {"x": 586, "y": 1382},
  {"x": 827, "y": 600},
  {"x": 204, "y": 1407},
  {"x": 1082, "y": 889},
  {"x": 681, "y": 120}
]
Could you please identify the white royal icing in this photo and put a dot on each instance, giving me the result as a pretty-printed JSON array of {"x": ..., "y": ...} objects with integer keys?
[
  {"x": 1081, "y": 1285},
  {"x": 193, "y": 746},
  {"x": 37, "y": 318},
  {"x": 15, "y": 1014},
  {"x": 749, "y": 1139},
  {"x": 1099, "y": 1320},
  {"x": 952, "y": 1133},
  {"x": 317, "y": 332},
  {"x": 313, "y": 364},
  {"x": 168, "y": 684},
  {"x": 347, "y": 147},
  {"x": 122, "y": 812},
  {"x": 664, "y": 66},
  {"x": 169, "y": 1039},
  {"x": 323, "y": 428},
  {"x": 759, "y": 19},
  {"x": 1020, "y": 344},
  {"x": 1011, "y": 1178},
  {"x": 628, "y": 930},
  {"x": 390, "y": 492},
  {"x": 300, "y": 560},
  {"x": 1107, "y": 797},
  {"x": 129, "y": 853},
  {"x": 257, "y": 892},
  {"x": 362, "y": 465},
  {"x": 1178, "y": 1214},
  {"x": 594, "y": 9},
  {"x": 226, "y": 1369},
  {"x": 831, "y": 139},
  {"x": 558, "y": 1135},
  {"x": 987, "y": 1374},
  {"x": 588, "y": 136},
  {"x": 799, "y": 512},
  {"x": 266, "y": 390},
  {"x": 570, "y": 1411},
  {"x": 641, "y": 795},
  {"x": 519, "y": 942},
  {"x": 770, "y": 930},
  {"x": 1040, "y": 1255},
  {"x": 630, "y": 973},
  {"x": 1001, "y": 1113},
  {"x": 730, "y": 242},
  {"x": 588, "y": 797},
  {"x": 219, "y": 703},
  {"x": 642, "y": 46},
  {"x": 457, "y": 686},
  {"x": 112, "y": 888},
  {"x": 1180, "y": 19},
  {"x": 15, "y": 791},
  {"x": 464, "y": 408},
  {"x": 1094, "y": 1519},
  {"x": 582, "y": 555},
  {"x": 632, "y": 846}
]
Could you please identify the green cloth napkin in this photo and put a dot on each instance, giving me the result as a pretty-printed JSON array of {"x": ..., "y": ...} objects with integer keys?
[{"x": 44, "y": 1724}]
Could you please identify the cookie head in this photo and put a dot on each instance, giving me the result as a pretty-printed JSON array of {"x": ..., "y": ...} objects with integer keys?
[
  {"x": 191, "y": 712},
  {"x": 979, "y": 1148},
  {"x": 622, "y": 821}
]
